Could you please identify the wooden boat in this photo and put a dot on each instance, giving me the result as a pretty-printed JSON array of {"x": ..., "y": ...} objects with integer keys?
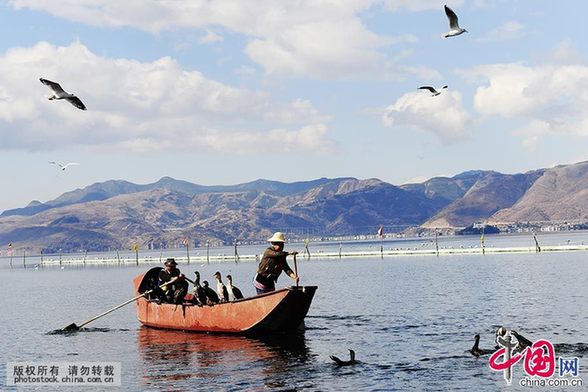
[{"x": 278, "y": 311}]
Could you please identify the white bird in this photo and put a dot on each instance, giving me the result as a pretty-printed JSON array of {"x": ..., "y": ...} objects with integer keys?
[
  {"x": 63, "y": 167},
  {"x": 59, "y": 93},
  {"x": 434, "y": 92},
  {"x": 453, "y": 24}
]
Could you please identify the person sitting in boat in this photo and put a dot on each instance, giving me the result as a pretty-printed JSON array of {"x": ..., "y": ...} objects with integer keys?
[
  {"x": 175, "y": 292},
  {"x": 272, "y": 264}
]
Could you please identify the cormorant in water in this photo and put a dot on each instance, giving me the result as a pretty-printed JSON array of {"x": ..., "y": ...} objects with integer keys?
[
  {"x": 221, "y": 289},
  {"x": 351, "y": 361},
  {"x": 523, "y": 341},
  {"x": 211, "y": 297},
  {"x": 476, "y": 350},
  {"x": 234, "y": 292}
]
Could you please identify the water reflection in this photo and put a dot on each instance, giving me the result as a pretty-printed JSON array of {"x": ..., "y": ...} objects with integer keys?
[{"x": 229, "y": 361}]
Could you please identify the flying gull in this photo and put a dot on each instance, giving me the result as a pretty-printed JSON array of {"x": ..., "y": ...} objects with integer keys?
[
  {"x": 432, "y": 90},
  {"x": 63, "y": 167},
  {"x": 453, "y": 24},
  {"x": 59, "y": 93}
]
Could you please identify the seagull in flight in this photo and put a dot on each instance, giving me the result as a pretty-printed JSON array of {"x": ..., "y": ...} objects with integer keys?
[
  {"x": 63, "y": 167},
  {"x": 432, "y": 90},
  {"x": 59, "y": 93},
  {"x": 453, "y": 24}
]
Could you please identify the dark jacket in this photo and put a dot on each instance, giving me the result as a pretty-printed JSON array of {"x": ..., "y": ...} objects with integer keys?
[
  {"x": 271, "y": 266},
  {"x": 165, "y": 276}
]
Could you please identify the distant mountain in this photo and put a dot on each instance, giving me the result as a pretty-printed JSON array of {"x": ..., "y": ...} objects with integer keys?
[
  {"x": 444, "y": 189},
  {"x": 114, "y": 214},
  {"x": 108, "y": 189},
  {"x": 164, "y": 216},
  {"x": 99, "y": 191},
  {"x": 490, "y": 193},
  {"x": 560, "y": 194}
]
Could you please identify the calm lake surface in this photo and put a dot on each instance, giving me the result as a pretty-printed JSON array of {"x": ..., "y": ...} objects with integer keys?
[{"x": 409, "y": 319}]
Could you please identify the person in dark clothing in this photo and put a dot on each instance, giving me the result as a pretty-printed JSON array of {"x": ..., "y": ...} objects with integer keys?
[
  {"x": 173, "y": 293},
  {"x": 272, "y": 264}
]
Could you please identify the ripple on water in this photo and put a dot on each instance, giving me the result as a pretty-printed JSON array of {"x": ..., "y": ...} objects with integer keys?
[{"x": 85, "y": 330}]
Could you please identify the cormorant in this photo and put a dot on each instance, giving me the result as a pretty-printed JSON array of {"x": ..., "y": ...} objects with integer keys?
[
  {"x": 199, "y": 291},
  {"x": 234, "y": 292},
  {"x": 221, "y": 289},
  {"x": 351, "y": 361},
  {"x": 476, "y": 350},
  {"x": 211, "y": 297}
]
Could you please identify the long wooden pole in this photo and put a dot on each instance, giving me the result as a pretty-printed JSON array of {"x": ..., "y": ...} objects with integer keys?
[
  {"x": 188, "y": 251},
  {"x": 296, "y": 270},
  {"x": 73, "y": 327}
]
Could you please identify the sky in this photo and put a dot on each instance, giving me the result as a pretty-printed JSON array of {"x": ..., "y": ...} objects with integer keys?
[{"x": 227, "y": 92}]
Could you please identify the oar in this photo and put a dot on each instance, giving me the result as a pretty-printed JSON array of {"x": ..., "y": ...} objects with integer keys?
[
  {"x": 296, "y": 270},
  {"x": 74, "y": 327}
]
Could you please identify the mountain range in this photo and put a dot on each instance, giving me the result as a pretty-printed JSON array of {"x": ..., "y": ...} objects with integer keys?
[{"x": 115, "y": 214}]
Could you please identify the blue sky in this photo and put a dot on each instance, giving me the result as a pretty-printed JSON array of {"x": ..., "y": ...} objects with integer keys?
[{"x": 225, "y": 92}]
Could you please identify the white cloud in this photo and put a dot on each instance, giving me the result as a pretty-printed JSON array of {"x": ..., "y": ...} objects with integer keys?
[
  {"x": 443, "y": 115},
  {"x": 552, "y": 99},
  {"x": 297, "y": 110},
  {"x": 507, "y": 31},
  {"x": 133, "y": 105},
  {"x": 420, "y": 5},
  {"x": 311, "y": 138},
  {"x": 210, "y": 38},
  {"x": 566, "y": 53},
  {"x": 322, "y": 39}
]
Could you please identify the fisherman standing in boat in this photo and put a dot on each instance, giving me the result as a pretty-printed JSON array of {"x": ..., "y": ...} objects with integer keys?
[
  {"x": 272, "y": 264},
  {"x": 173, "y": 293}
]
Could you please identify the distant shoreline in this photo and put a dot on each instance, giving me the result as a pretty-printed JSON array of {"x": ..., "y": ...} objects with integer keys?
[{"x": 385, "y": 253}]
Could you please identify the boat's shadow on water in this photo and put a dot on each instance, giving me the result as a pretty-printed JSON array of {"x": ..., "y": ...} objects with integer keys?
[{"x": 231, "y": 361}]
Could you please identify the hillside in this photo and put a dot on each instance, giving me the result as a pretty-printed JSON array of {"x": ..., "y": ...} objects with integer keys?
[{"x": 115, "y": 214}]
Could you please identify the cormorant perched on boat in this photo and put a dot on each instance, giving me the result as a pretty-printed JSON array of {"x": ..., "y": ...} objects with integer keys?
[
  {"x": 211, "y": 297},
  {"x": 221, "y": 289},
  {"x": 234, "y": 292},
  {"x": 199, "y": 291},
  {"x": 351, "y": 361},
  {"x": 476, "y": 350}
]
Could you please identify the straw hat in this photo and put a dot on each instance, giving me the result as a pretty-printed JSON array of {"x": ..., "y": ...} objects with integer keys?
[
  {"x": 171, "y": 261},
  {"x": 277, "y": 237}
]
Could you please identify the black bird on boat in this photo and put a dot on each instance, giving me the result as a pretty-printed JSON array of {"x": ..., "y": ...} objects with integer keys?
[
  {"x": 199, "y": 291},
  {"x": 221, "y": 289},
  {"x": 211, "y": 297},
  {"x": 351, "y": 361},
  {"x": 234, "y": 292},
  {"x": 476, "y": 350}
]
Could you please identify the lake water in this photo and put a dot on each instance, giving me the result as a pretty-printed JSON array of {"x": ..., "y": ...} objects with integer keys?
[{"x": 410, "y": 321}]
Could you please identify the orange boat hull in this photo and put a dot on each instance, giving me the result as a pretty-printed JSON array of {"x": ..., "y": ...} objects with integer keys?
[{"x": 278, "y": 311}]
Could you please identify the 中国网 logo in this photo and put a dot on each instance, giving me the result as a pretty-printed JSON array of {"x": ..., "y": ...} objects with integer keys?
[{"x": 539, "y": 363}]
